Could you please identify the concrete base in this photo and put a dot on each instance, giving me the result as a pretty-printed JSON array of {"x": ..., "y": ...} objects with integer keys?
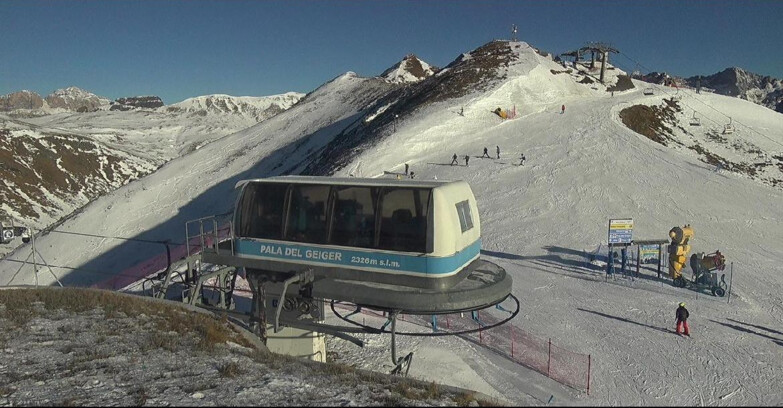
[{"x": 297, "y": 343}]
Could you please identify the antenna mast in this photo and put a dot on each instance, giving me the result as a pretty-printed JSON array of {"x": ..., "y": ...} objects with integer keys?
[{"x": 513, "y": 32}]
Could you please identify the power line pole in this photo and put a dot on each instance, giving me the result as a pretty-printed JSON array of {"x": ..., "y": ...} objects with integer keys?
[
  {"x": 513, "y": 32},
  {"x": 35, "y": 264}
]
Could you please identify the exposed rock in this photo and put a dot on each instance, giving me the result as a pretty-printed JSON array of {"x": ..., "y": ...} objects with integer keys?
[
  {"x": 20, "y": 100},
  {"x": 75, "y": 99},
  {"x": 410, "y": 69},
  {"x": 150, "y": 102}
]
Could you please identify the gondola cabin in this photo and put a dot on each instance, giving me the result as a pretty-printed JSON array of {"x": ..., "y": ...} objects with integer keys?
[{"x": 420, "y": 234}]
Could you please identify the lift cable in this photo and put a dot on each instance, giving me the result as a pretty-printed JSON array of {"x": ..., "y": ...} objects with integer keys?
[{"x": 709, "y": 106}]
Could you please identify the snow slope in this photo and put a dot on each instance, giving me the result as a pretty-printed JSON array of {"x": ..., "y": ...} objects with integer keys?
[
  {"x": 583, "y": 167},
  {"x": 170, "y": 131}
]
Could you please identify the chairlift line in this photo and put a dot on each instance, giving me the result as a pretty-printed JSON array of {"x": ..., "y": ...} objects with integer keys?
[{"x": 711, "y": 107}]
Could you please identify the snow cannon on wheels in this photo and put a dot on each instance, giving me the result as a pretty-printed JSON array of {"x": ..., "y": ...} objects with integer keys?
[
  {"x": 678, "y": 252},
  {"x": 705, "y": 272}
]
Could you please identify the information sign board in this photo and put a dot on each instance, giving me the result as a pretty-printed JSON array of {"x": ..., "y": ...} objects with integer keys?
[{"x": 620, "y": 231}]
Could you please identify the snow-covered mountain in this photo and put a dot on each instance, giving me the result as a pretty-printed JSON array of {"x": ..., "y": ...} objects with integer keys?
[
  {"x": 260, "y": 108},
  {"x": 101, "y": 150},
  {"x": 737, "y": 82},
  {"x": 76, "y": 100},
  {"x": 30, "y": 104},
  {"x": 410, "y": 69},
  {"x": 610, "y": 154},
  {"x": 48, "y": 173},
  {"x": 763, "y": 90}
]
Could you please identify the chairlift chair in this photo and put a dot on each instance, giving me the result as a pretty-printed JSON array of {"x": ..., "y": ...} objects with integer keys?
[
  {"x": 728, "y": 128},
  {"x": 694, "y": 120},
  {"x": 677, "y": 95}
]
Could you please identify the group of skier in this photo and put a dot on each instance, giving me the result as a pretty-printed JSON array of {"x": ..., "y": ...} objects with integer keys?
[{"x": 486, "y": 154}]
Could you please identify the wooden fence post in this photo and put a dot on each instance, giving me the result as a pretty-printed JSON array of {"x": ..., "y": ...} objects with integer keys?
[
  {"x": 588, "y": 373},
  {"x": 549, "y": 360},
  {"x": 512, "y": 340}
]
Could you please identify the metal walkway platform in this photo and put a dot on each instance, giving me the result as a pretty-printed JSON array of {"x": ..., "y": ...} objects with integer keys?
[{"x": 487, "y": 285}]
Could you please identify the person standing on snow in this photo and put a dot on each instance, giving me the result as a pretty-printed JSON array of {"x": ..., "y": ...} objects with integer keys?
[
  {"x": 497, "y": 149},
  {"x": 454, "y": 159},
  {"x": 682, "y": 320},
  {"x": 485, "y": 154},
  {"x": 522, "y": 159},
  {"x": 466, "y": 159},
  {"x": 406, "y": 169},
  {"x": 562, "y": 109}
]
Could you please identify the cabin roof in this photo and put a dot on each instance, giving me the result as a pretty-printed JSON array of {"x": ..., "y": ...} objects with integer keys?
[{"x": 350, "y": 181}]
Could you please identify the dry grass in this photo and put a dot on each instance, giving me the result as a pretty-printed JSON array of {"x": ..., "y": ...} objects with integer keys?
[
  {"x": 652, "y": 121},
  {"x": 139, "y": 394},
  {"x": 168, "y": 327},
  {"x": 64, "y": 164},
  {"x": 464, "y": 399},
  {"x": 209, "y": 330},
  {"x": 230, "y": 369}
]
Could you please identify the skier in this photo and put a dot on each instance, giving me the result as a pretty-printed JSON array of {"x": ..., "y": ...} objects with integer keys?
[
  {"x": 466, "y": 159},
  {"x": 497, "y": 148},
  {"x": 462, "y": 111},
  {"x": 412, "y": 176},
  {"x": 406, "y": 169},
  {"x": 454, "y": 159},
  {"x": 682, "y": 320},
  {"x": 562, "y": 109},
  {"x": 485, "y": 154},
  {"x": 522, "y": 159}
]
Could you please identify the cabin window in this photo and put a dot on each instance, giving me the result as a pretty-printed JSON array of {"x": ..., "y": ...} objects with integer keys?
[
  {"x": 465, "y": 218},
  {"x": 261, "y": 211},
  {"x": 353, "y": 222},
  {"x": 307, "y": 214},
  {"x": 403, "y": 223}
]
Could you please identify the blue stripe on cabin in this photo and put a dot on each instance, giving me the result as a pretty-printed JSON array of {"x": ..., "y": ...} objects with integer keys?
[{"x": 357, "y": 259}]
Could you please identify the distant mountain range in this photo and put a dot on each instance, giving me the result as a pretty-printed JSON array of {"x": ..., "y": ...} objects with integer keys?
[
  {"x": 737, "y": 82},
  {"x": 73, "y": 99},
  {"x": 104, "y": 144}
]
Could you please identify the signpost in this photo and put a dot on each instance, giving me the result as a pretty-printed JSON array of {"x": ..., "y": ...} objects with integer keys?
[
  {"x": 620, "y": 231},
  {"x": 620, "y": 234},
  {"x": 650, "y": 251}
]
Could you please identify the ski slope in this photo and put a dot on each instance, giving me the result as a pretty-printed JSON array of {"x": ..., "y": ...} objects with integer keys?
[{"x": 583, "y": 167}]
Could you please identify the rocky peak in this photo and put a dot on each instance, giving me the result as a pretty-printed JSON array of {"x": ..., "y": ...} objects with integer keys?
[
  {"x": 149, "y": 102},
  {"x": 75, "y": 99},
  {"x": 20, "y": 100},
  {"x": 410, "y": 69},
  {"x": 735, "y": 81}
]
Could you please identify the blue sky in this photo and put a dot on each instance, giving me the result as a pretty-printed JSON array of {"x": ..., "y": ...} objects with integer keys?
[{"x": 181, "y": 49}]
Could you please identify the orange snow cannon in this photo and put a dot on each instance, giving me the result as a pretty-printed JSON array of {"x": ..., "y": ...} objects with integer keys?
[{"x": 678, "y": 249}]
